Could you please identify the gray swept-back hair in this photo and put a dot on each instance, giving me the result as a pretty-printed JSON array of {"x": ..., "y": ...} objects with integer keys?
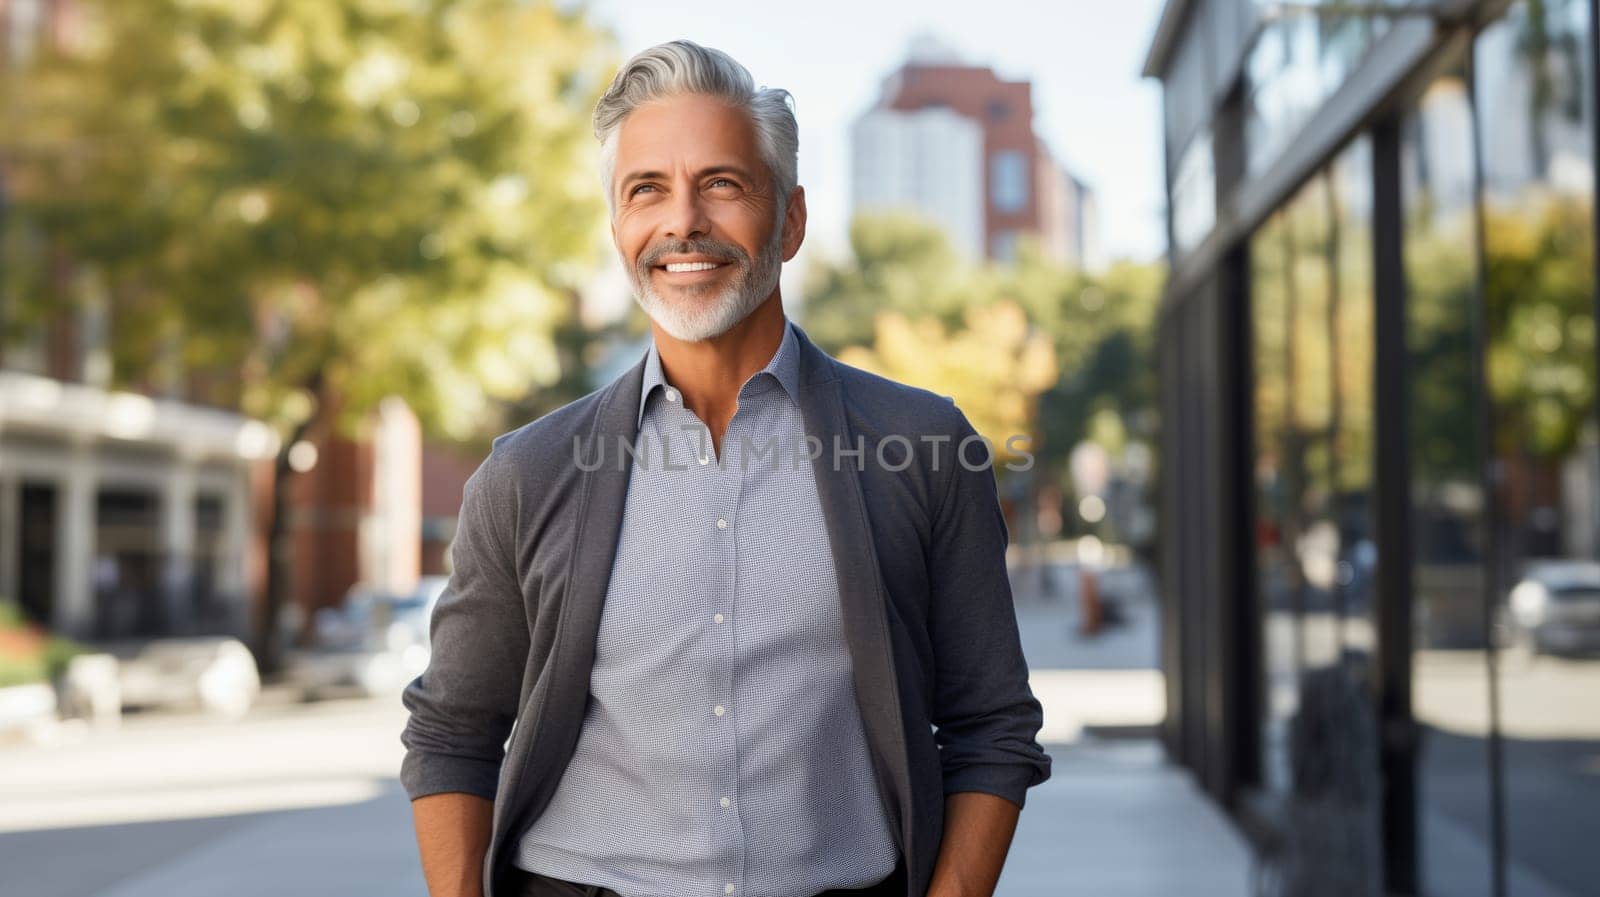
[{"x": 683, "y": 67}]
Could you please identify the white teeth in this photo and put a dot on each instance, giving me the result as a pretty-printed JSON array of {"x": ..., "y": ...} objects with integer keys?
[{"x": 678, "y": 267}]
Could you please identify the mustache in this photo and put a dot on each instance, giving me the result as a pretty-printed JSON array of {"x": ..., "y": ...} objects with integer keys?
[{"x": 722, "y": 252}]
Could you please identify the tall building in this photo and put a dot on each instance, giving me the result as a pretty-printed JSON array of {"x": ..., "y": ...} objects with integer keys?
[
  {"x": 1381, "y": 464},
  {"x": 1069, "y": 224},
  {"x": 1084, "y": 225},
  {"x": 929, "y": 161},
  {"x": 956, "y": 144}
]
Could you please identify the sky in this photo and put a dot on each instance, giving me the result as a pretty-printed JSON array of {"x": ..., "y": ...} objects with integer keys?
[{"x": 1083, "y": 56}]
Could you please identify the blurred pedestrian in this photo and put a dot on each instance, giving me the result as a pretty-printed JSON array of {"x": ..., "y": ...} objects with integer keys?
[{"x": 1091, "y": 611}]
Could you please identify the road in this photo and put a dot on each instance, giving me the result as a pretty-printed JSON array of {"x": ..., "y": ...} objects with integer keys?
[{"x": 295, "y": 798}]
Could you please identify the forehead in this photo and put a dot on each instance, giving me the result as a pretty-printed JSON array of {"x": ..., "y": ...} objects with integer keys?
[{"x": 690, "y": 130}]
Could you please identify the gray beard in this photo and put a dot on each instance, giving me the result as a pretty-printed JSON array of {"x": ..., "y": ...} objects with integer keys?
[{"x": 688, "y": 318}]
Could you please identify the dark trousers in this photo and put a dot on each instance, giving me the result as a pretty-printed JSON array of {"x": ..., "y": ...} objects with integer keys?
[{"x": 532, "y": 884}]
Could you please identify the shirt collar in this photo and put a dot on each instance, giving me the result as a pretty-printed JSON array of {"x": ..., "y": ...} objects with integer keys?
[{"x": 784, "y": 367}]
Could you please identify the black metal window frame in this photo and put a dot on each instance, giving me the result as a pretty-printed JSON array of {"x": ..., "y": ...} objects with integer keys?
[{"x": 1371, "y": 103}]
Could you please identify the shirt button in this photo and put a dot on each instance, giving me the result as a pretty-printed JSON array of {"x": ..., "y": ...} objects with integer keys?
[
  {"x": 672, "y": 395},
  {"x": 719, "y": 710},
  {"x": 727, "y": 888},
  {"x": 722, "y": 523},
  {"x": 704, "y": 460},
  {"x": 726, "y": 802},
  {"x": 717, "y": 618}
]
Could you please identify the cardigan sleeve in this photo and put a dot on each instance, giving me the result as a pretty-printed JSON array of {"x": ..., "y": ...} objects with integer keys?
[
  {"x": 986, "y": 717},
  {"x": 464, "y": 704}
]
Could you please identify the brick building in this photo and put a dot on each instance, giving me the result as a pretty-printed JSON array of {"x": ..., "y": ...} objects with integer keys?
[{"x": 1021, "y": 188}]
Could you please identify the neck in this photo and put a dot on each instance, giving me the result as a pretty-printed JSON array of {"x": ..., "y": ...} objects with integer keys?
[{"x": 710, "y": 372}]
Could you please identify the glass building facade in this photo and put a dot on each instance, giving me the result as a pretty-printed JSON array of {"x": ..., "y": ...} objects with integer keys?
[{"x": 1381, "y": 476}]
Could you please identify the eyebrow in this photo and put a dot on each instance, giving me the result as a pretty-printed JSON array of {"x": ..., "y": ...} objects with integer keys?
[{"x": 704, "y": 172}]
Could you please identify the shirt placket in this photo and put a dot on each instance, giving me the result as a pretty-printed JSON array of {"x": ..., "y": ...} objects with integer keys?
[
  {"x": 686, "y": 452},
  {"x": 725, "y": 484},
  {"x": 735, "y": 472}
]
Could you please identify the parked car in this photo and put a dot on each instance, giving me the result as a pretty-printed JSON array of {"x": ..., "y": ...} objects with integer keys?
[
  {"x": 410, "y": 614},
  {"x": 374, "y": 642},
  {"x": 1555, "y": 608},
  {"x": 216, "y": 674}
]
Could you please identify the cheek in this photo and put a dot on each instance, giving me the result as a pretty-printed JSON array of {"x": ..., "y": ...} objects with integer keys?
[
  {"x": 631, "y": 240},
  {"x": 745, "y": 226}
]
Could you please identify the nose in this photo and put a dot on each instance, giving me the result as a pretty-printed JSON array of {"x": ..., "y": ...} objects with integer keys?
[{"x": 686, "y": 218}]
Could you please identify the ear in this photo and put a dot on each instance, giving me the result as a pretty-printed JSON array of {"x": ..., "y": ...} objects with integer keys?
[{"x": 794, "y": 223}]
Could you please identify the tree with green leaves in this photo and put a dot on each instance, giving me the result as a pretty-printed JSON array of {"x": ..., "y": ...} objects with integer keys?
[
  {"x": 897, "y": 263},
  {"x": 904, "y": 304},
  {"x": 313, "y": 204},
  {"x": 1539, "y": 296}
]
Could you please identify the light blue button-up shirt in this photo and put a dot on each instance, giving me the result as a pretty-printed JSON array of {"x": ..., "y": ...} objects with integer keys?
[{"x": 722, "y": 749}]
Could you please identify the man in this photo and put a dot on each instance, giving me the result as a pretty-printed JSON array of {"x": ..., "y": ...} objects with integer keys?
[{"x": 726, "y": 667}]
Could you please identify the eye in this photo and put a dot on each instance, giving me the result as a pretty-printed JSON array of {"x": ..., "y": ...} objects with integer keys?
[
  {"x": 640, "y": 187},
  {"x": 722, "y": 180}
]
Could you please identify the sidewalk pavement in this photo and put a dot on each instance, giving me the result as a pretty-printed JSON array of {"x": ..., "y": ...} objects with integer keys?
[
  {"x": 1111, "y": 679},
  {"x": 302, "y": 799},
  {"x": 1114, "y": 820}
]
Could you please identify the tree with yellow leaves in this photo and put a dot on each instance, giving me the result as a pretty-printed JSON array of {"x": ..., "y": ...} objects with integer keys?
[{"x": 995, "y": 367}]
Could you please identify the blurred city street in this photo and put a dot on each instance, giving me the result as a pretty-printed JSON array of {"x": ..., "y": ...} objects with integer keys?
[
  {"x": 302, "y": 798},
  {"x": 1278, "y": 321}
]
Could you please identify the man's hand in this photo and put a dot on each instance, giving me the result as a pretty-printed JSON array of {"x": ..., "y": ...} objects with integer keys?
[
  {"x": 977, "y": 836},
  {"x": 452, "y": 836}
]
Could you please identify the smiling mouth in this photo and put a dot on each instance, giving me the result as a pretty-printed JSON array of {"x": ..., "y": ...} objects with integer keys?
[{"x": 690, "y": 267}]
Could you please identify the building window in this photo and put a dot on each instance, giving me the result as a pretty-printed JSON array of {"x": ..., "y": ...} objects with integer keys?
[
  {"x": 1535, "y": 82},
  {"x": 1313, "y": 313},
  {"x": 1296, "y": 65},
  {"x": 1450, "y": 662},
  {"x": 1194, "y": 194},
  {"x": 1008, "y": 181}
]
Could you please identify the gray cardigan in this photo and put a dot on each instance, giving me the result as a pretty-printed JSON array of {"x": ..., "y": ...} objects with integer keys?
[{"x": 920, "y": 557}]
